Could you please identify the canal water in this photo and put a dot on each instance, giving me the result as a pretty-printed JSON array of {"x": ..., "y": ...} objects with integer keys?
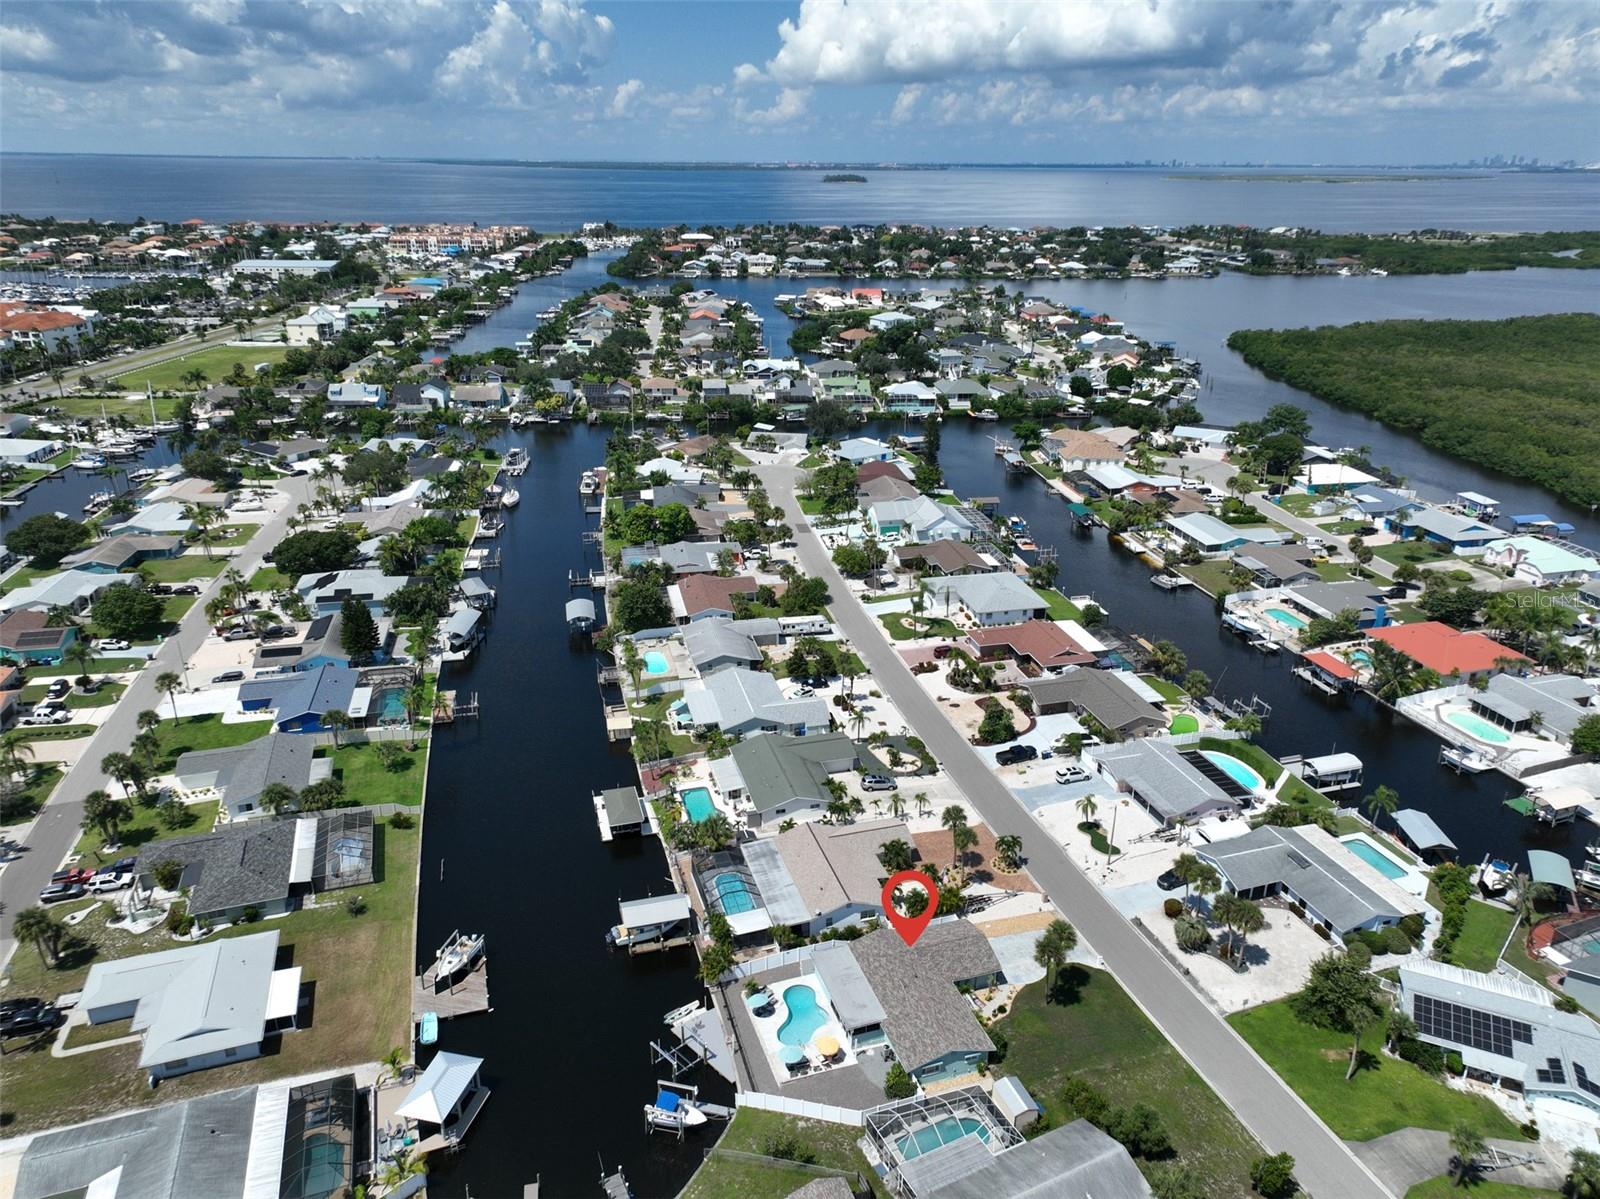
[
  {"x": 68, "y": 491},
  {"x": 511, "y": 848}
]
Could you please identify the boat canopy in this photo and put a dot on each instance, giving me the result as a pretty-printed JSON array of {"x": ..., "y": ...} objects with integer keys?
[
  {"x": 659, "y": 909},
  {"x": 1552, "y": 868},
  {"x": 448, "y": 1077},
  {"x": 580, "y": 609},
  {"x": 1421, "y": 830}
]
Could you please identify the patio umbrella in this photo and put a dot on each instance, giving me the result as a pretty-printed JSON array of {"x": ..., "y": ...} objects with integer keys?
[
  {"x": 827, "y": 1045},
  {"x": 791, "y": 1055}
]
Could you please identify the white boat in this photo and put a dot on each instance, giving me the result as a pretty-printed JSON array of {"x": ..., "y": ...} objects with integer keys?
[
  {"x": 458, "y": 952},
  {"x": 516, "y": 456},
  {"x": 589, "y": 484},
  {"x": 985, "y": 414},
  {"x": 89, "y": 461},
  {"x": 142, "y": 475},
  {"x": 510, "y": 498},
  {"x": 1466, "y": 760}
]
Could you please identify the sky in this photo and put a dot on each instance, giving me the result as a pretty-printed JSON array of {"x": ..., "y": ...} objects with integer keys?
[{"x": 1319, "y": 81}]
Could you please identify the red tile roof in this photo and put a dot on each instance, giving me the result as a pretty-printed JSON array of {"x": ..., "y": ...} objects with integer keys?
[
  {"x": 711, "y": 593},
  {"x": 1046, "y": 643},
  {"x": 1336, "y": 666},
  {"x": 878, "y": 470},
  {"x": 1444, "y": 649}
]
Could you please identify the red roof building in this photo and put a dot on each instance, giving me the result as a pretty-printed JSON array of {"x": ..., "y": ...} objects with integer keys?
[
  {"x": 1446, "y": 650},
  {"x": 1332, "y": 664},
  {"x": 702, "y": 595},
  {"x": 1044, "y": 644}
]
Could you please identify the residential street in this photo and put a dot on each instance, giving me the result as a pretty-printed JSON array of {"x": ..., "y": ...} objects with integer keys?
[
  {"x": 1273, "y": 512},
  {"x": 1325, "y": 1167},
  {"x": 56, "y": 829}
]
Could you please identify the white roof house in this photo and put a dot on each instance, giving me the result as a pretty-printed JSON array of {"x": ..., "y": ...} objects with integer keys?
[
  {"x": 859, "y": 450},
  {"x": 162, "y": 518},
  {"x": 918, "y": 519},
  {"x": 198, "y": 1006},
  {"x": 1000, "y": 598},
  {"x": 1320, "y": 476},
  {"x": 742, "y": 701},
  {"x": 68, "y": 589},
  {"x": 1213, "y": 536},
  {"x": 1543, "y": 563}
]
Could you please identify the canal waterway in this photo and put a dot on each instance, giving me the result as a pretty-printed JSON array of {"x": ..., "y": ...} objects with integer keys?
[
  {"x": 511, "y": 848},
  {"x": 67, "y": 491}
]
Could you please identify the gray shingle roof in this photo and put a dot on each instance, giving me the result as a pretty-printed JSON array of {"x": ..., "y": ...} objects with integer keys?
[
  {"x": 243, "y": 770},
  {"x": 708, "y": 640},
  {"x": 1157, "y": 772},
  {"x": 778, "y": 769},
  {"x": 1075, "y": 1159},
  {"x": 310, "y": 692},
  {"x": 234, "y": 865},
  {"x": 925, "y": 1016},
  {"x": 987, "y": 594},
  {"x": 1561, "y": 699},
  {"x": 1099, "y": 693}
]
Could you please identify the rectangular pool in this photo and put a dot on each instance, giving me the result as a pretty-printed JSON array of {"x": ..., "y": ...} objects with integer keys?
[{"x": 1375, "y": 857}]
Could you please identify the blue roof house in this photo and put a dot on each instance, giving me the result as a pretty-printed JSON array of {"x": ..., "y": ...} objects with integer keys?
[{"x": 300, "y": 700}]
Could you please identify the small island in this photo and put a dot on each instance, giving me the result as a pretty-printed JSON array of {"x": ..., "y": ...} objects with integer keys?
[{"x": 844, "y": 178}]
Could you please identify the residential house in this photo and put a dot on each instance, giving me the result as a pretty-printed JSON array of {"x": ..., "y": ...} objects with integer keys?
[
  {"x": 1000, "y": 598},
  {"x": 320, "y": 324},
  {"x": 1172, "y": 785},
  {"x": 164, "y": 518},
  {"x": 69, "y": 589},
  {"x": 818, "y": 876},
  {"x": 918, "y": 519},
  {"x": 943, "y": 557},
  {"x": 123, "y": 552},
  {"x": 1213, "y": 536},
  {"x": 27, "y": 635},
  {"x": 1551, "y": 704},
  {"x": 326, "y": 593},
  {"x": 860, "y": 450},
  {"x": 704, "y": 596},
  {"x": 741, "y": 702},
  {"x": 1328, "y": 600},
  {"x": 1310, "y": 867},
  {"x": 1542, "y": 562},
  {"x": 885, "y": 487},
  {"x": 1443, "y": 528},
  {"x": 357, "y": 395},
  {"x": 1041, "y": 644},
  {"x": 771, "y": 777},
  {"x": 715, "y": 645},
  {"x": 1112, "y": 699},
  {"x": 1277, "y": 565},
  {"x": 683, "y": 557},
  {"x": 1079, "y": 449},
  {"x": 1449, "y": 652},
  {"x": 299, "y": 701},
  {"x": 322, "y": 644},
  {"x": 197, "y": 1007},
  {"x": 242, "y": 772},
  {"x": 479, "y": 397},
  {"x": 1332, "y": 478}
]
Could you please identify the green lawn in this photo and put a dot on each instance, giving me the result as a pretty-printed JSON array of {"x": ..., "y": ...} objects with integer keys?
[
  {"x": 1060, "y": 607},
  {"x": 270, "y": 578},
  {"x": 37, "y": 793},
  {"x": 811, "y": 507},
  {"x": 1385, "y": 1095},
  {"x": 1299, "y": 504},
  {"x": 930, "y": 626},
  {"x": 1485, "y": 931},
  {"x": 1170, "y": 691},
  {"x": 202, "y": 732},
  {"x": 108, "y": 694},
  {"x": 1098, "y": 1034},
  {"x": 1211, "y": 575},
  {"x": 366, "y": 781},
  {"x": 136, "y": 409},
  {"x": 752, "y": 1131},
  {"x": 1444, "y": 1187},
  {"x": 98, "y": 666},
  {"x": 360, "y": 967},
  {"x": 673, "y": 744},
  {"x": 183, "y": 568},
  {"x": 1412, "y": 551},
  {"x": 1334, "y": 572},
  {"x": 216, "y": 361},
  {"x": 146, "y": 828}
]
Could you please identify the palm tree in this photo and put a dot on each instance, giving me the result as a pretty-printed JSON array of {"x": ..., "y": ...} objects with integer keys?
[
  {"x": 415, "y": 698},
  {"x": 1087, "y": 807},
  {"x": 81, "y": 654},
  {"x": 633, "y": 663},
  {"x": 103, "y": 812},
  {"x": 1008, "y": 852},
  {"x": 194, "y": 378},
  {"x": 35, "y": 927},
  {"x": 1055, "y": 943},
  {"x": 1466, "y": 1147},
  {"x": 16, "y": 752},
  {"x": 924, "y": 804},
  {"x": 168, "y": 681},
  {"x": 1240, "y": 916},
  {"x": 954, "y": 818},
  {"x": 403, "y": 1165},
  {"x": 204, "y": 517},
  {"x": 278, "y": 798},
  {"x": 148, "y": 746},
  {"x": 336, "y": 720},
  {"x": 391, "y": 1064},
  {"x": 120, "y": 767},
  {"x": 897, "y": 805},
  {"x": 1384, "y": 801}
]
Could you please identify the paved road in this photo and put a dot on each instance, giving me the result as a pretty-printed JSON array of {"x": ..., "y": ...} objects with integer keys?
[
  {"x": 56, "y": 830},
  {"x": 1265, "y": 1104},
  {"x": 1305, "y": 528}
]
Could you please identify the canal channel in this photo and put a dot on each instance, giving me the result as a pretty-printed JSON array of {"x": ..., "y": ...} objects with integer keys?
[{"x": 510, "y": 843}]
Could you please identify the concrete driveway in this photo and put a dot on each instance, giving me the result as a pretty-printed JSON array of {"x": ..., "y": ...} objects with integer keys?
[{"x": 1268, "y": 1108}]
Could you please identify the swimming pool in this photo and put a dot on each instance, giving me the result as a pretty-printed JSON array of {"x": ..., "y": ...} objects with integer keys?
[
  {"x": 697, "y": 802},
  {"x": 1476, "y": 726},
  {"x": 389, "y": 704},
  {"x": 1288, "y": 618},
  {"x": 941, "y": 1132},
  {"x": 804, "y": 1018},
  {"x": 733, "y": 893},
  {"x": 1240, "y": 772},
  {"x": 655, "y": 662},
  {"x": 1375, "y": 857},
  {"x": 1361, "y": 658}
]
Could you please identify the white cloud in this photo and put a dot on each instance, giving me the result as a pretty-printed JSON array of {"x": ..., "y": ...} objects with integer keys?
[
  {"x": 905, "y": 104},
  {"x": 790, "y": 104},
  {"x": 623, "y": 101},
  {"x": 747, "y": 73}
]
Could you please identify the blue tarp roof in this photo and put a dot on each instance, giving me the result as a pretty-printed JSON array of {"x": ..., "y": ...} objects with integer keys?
[{"x": 667, "y": 1101}]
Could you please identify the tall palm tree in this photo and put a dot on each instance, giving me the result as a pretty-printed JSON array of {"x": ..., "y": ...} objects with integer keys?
[
  {"x": 632, "y": 662},
  {"x": 1384, "y": 801},
  {"x": 204, "y": 518},
  {"x": 168, "y": 681},
  {"x": 16, "y": 754},
  {"x": 336, "y": 720},
  {"x": 34, "y": 927},
  {"x": 1087, "y": 807},
  {"x": 897, "y": 805},
  {"x": 1055, "y": 943},
  {"x": 105, "y": 813},
  {"x": 81, "y": 654}
]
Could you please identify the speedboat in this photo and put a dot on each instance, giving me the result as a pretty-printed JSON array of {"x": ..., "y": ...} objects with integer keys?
[
  {"x": 588, "y": 485},
  {"x": 1465, "y": 759},
  {"x": 673, "y": 1111},
  {"x": 89, "y": 461},
  {"x": 457, "y": 953},
  {"x": 985, "y": 414},
  {"x": 510, "y": 498}
]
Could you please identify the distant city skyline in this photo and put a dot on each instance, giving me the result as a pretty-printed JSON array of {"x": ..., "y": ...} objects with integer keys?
[{"x": 1225, "y": 82}]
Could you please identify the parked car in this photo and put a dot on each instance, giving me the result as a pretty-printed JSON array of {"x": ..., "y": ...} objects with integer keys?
[
  {"x": 57, "y": 688},
  {"x": 1169, "y": 881},
  {"x": 110, "y": 643},
  {"x": 186, "y": 589},
  {"x": 159, "y": 589},
  {"x": 60, "y": 892},
  {"x": 102, "y": 883},
  {"x": 878, "y": 782},
  {"x": 1067, "y": 775},
  {"x": 73, "y": 874},
  {"x": 1012, "y": 754},
  {"x": 277, "y": 632},
  {"x": 29, "y": 1021},
  {"x": 239, "y": 633},
  {"x": 229, "y": 676},
  {"x": 49, "y": 716},
  {"x": 21, "y": 1003},
  {"x": 120, "y": 866},
  {"x": 804, "y": 692}
]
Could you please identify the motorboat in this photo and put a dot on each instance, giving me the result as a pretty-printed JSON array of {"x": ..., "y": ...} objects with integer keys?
[
  {"x": 1464, "y": 759},
  {"x": 985, "y": 414},
  {"x": 1494, "y": 876},
  {"x": 89, "y": 461},
  {"x": 142, "y": 475},
  {"x": 458, "y": 952},
  {"x": 589, "y": 484},
  {"x": 673, "y": 1110},
  {"x": 428, "y": 1033},
  {"x": 510, "y": 498},
  {"x": 516, "y": 456}
]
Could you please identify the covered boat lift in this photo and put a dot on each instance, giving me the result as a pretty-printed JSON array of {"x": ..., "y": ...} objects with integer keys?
[
  {"x": 1551, "y": 868},
  {"x": 580, "y": 615},
  {"x": 449, "y": 1095},
  {"x": 1420, "y": 831}
]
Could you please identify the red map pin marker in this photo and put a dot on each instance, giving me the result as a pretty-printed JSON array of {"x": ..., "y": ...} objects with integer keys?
[{"x": 910, "y": 927}]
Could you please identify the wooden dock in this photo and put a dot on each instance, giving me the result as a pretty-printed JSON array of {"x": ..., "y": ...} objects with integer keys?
[{"x": 466, "y": 996}]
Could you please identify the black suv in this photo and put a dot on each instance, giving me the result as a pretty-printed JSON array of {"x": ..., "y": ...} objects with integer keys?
[{"x": 1013, "y": 754}]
